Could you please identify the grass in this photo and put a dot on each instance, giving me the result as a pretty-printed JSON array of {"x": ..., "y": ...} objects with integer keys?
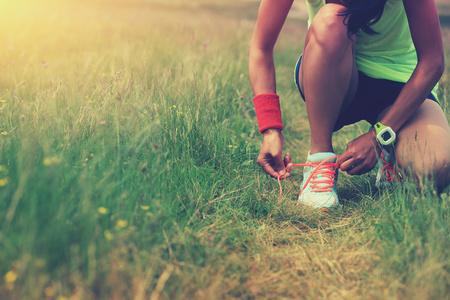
[{"x": 127, "y": 167}]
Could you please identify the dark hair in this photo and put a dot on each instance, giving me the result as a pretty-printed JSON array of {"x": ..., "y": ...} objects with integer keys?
[{"x": 361, "y": 14}]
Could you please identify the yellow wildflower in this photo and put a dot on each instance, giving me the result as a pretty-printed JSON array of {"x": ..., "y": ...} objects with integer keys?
[
  {"x": 174, "y": 106},
  {"x": 145, "y": 207},
  {"x": 2, "y": 101},
  {"x": 4, "y": 132},
  {"x": 3, "y": 182},
  {"x": 11, "y": 276},
  {"x": 102, "y": 210},
  {"x": 91, "y": 155},
  {"x": 47, "y": 161},
  {"x": 108, "y": 235},
  {"x": 122, "y": 223}
]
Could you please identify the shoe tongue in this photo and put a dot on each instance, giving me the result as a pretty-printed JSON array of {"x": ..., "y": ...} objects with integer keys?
[{"x": 321, "y": 156}]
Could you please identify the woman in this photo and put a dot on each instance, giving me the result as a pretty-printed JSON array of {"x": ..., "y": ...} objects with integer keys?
[{"x": 373, "y": 60}]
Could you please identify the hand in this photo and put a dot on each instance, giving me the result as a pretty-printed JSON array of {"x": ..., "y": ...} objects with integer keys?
[
  {"x": 361, "y": 155},
  {"x": 270, "y": 156}
]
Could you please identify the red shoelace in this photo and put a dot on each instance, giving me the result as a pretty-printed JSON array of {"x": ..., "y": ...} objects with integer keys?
[
  {"x": 388, "y": 172},
  {"x": 325, "y": 169}
]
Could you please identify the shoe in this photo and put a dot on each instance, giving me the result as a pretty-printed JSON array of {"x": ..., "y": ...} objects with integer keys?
[
  {"x": 319, "y": 178},
  {"x": 386, "y": 176}
]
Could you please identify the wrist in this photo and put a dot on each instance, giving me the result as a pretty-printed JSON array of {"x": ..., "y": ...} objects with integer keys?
[
  {"x": 270, "y": 131},
  {"x": 384, "y": 134},
  {"x": 268, "y": 112}
]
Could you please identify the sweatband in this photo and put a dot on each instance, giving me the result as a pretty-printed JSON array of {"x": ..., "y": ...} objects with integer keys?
[{"x": 268, "y": 112}]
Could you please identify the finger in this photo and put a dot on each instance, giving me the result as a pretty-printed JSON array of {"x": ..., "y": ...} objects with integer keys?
[
  {"x": 344, "y": 157},
  {"x": 347, "y": 165},
  {"x": 356, "y": 170},
  {"x": 279, "y": 166},
  {"x": 288, "y": 163},
  {"x": 265, "y": 165}
]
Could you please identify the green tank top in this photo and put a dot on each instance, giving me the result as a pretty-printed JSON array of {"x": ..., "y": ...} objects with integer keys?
[{"x": 388, "y": 55}]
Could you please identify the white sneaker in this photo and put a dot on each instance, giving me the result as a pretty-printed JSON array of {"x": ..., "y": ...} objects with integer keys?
[{"x": 318, "y": 188}]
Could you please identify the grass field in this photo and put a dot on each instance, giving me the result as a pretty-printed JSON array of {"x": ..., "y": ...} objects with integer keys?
[{"x": 127, "y": 167}]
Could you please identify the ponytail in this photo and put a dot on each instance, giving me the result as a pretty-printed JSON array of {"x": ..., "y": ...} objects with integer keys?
[{"x": 361, "y": 14}]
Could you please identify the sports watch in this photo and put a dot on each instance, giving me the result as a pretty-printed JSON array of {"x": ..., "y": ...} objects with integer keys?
[{"x": 385, "y": 134}]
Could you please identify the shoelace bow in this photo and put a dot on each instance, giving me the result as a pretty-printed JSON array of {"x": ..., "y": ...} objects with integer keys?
[
  {"x": 388, "y": 172},
  {"x": 327, "y": 171}
]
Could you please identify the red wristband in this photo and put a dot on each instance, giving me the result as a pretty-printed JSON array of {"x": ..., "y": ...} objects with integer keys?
[{"x": 268, "y": 112}]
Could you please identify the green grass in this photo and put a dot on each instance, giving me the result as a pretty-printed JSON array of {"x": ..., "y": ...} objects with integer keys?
[{"x": 128, "y": 167}]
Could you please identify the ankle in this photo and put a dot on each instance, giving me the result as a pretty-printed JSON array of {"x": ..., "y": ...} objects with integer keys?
[{"x": 321, "y": 150}]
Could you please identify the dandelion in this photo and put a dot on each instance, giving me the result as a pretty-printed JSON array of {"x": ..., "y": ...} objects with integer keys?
[
  {"x": 145, "y": 207},
  {"x": 91, "y": 155},
  {"x": 4, "y": 182},
  {"x": 230, "y": 146},
  {"x": 174, "y": 106},
  {"x": 234, "y": 147},
  {"x": 3, "y": 101},
  {"x": 180, "y": 112},
  {"x": 86, "y": 159},
  {"x": 122, "y": 223},
  {"x": 108, "y": 235},
  {"x": 102, "y": 210},
  {"x": 4, "y": 132},
  {"x": 11, "y": 276},
  {"x": 47, "y": 161}
]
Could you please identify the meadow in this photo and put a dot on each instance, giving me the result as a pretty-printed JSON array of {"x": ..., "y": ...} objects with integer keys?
[{"x": 128, "y": 147}]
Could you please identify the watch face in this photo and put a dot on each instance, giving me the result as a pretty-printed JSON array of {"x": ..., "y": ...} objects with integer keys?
[{"x": 386, "y": 135}]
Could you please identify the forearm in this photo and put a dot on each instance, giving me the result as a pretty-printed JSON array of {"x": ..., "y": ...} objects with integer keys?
[
  {"x": 414, "y": 93},
  {"x": 262, "y": 71}
]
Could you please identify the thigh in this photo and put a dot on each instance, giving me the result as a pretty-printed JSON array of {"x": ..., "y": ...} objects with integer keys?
[{"x": 353, "y": 86}]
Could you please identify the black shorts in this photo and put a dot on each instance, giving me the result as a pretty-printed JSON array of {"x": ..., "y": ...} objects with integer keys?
[{"x": 372, "y": 97}]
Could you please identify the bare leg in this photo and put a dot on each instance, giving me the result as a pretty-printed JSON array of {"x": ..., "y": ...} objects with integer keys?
[
  {"x": 422, "y": 149},
  {"x": 423, "y": 145},
  {"x": 328, "y": 76}
]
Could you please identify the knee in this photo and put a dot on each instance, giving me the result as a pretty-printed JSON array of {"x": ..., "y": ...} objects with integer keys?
[
  {"x": 433, "y": 166},
  {"x": 328, "y": 28}
]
